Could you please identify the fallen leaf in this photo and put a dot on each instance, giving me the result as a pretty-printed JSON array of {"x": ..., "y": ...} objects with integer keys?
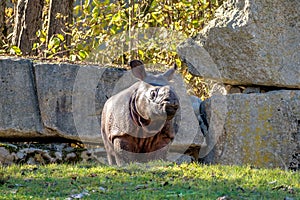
[
  {"x": 138, "y": 187},
  {"x": 102, "y": 189},
  {"x": 272, "y": 182},
  {"x": 223, "y": 198},
  {"x": 19, "y": 185},
  {"x": 80, "y": 195},
  {"x": 14, "y": 191}
]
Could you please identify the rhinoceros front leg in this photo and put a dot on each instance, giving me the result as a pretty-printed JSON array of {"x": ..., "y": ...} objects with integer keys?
[
  {"x": 111, "y": 156},
  {"x": 123, "y": 150}
]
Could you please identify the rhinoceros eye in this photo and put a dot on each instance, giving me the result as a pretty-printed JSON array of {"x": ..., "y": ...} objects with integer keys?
[{"x": 153, "y": 94}]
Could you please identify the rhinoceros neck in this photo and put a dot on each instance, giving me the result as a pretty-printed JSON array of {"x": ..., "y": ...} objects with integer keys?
[{"x": 136, "y": 117}]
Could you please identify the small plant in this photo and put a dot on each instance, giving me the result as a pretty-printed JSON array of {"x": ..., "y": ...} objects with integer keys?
[{"x": 3, "y": 176}]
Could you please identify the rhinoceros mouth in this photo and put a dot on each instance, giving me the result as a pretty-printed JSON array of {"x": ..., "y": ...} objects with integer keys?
[
  {"x": 171, "y": 105},
  {"x": 171, "y": 110}
]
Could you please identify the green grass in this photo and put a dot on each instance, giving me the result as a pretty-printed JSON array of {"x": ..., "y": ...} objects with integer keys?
[{"x": 146, "y": 181}]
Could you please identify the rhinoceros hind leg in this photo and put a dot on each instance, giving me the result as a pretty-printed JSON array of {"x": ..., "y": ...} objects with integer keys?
[{"x": 111, "y": 158}]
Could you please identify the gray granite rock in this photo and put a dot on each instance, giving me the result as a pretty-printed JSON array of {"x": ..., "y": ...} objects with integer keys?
[
  {"x": 54, "y": 90},
  {"x": 71, "y": 98},
  {"x": 19, "y": 110},
  {"x": 257, "y": 129},
  {"x": 250, "y": 42},
  {"x": 6, "y": 158}
]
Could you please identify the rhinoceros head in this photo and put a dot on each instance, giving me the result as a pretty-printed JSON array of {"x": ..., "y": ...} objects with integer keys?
[{"x": 154, "y": 99}]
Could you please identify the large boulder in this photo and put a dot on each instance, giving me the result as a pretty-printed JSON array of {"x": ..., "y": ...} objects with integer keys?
[
  {"x": 250, "y": 42},
  {"x": 71, "y": 98},
  {"x": 261, "y": 129},
  {"x": 19, "y": 110}
]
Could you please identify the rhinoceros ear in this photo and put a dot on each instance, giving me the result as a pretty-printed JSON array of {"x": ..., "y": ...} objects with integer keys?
[
  {"x": 169, "y": 74},
  {"x": 138, "y": 69}
]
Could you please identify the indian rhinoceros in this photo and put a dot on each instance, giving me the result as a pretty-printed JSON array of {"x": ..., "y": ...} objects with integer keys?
[{"x": 136, "y": 123}]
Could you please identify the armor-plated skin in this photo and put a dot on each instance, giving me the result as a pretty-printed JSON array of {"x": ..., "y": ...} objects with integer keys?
[{"x": 137, "y": 122}]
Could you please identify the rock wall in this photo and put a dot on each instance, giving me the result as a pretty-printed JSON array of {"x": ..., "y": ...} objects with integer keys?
[
  {"x": 252, "y": 48},
  {"x": 45, "y": 102}
]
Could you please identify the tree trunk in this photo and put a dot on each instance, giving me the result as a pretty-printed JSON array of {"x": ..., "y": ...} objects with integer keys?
[
  {"x": 60, "y": 16},
  {"x": 2, "y": 22},
  {"x": 28, "y": 21},
  {"x": 19, "y": 12}
]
